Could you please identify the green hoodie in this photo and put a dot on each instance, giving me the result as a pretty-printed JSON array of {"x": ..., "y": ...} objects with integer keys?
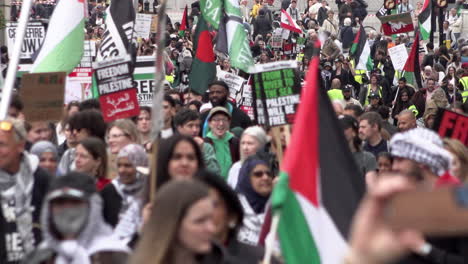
[{"x": 223, "y": 153}]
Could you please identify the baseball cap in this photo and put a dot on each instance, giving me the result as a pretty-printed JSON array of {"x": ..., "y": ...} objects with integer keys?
[
  {"x": 374, "y": 95},
  {"x": 347, "y": 88},
  {"x": 217, "y": 110}
]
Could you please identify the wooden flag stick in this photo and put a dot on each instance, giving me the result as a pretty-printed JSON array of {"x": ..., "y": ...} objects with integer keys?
[
  {"x": 279, "y": 146},
  {"x": 7, "y": 89},
  {"x": 270, "y": 239},
  {"x": 157, "y": 111}
]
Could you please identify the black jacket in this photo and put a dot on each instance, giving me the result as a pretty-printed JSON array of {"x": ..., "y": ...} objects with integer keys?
[
  {"x": 444, "y": 251},
  {"x": 112, "y": 203},
  {"x": 262, "y": 26}
]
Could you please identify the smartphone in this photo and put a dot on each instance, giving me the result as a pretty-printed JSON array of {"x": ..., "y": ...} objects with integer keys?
[{"x": 441, "y": 212}]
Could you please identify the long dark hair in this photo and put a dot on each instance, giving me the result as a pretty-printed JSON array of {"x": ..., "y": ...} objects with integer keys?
[
  {"x": 165, "y": 151},
  {"x": 160, "y": 233}
]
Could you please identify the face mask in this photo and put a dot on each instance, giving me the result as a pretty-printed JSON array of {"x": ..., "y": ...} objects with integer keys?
[{"x": 70, "y": 221}]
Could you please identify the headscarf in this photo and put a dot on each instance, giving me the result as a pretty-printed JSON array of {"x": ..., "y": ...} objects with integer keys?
[
  {"x": 136, "y": 155},
  {"x": 244, "y": 187},
  {"x": 44, "y": 146}
]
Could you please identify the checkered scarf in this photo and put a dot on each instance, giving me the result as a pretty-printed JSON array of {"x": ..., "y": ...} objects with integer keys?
[{"x": 423, "y": 146}]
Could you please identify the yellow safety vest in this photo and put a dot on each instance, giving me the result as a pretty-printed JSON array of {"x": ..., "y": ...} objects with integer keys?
[
  {"x": 366, "y": 102},
  {"x": 464, "y": 82},
  {"x": 464, "y": 95},
  {"x": 335, "y": 94},
  {"x": 358, "y": 73},
  {"x": 414, "y": 110}
]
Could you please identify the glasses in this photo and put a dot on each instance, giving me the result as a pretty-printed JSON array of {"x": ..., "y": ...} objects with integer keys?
[
  {"x": 259, "y": 174},
  {"x": 220, "y": 120}
]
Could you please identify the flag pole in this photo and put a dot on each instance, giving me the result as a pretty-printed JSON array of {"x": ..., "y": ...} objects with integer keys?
[
  {"x": 13, "y": 65},
  {"x": 397, "y": 91},
  {"x": 157, "y": 118},
  {"x": 270, "y": 239}
]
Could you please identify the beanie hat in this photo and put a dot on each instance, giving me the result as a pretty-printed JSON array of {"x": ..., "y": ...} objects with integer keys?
[{"x": 423, "y": 146}]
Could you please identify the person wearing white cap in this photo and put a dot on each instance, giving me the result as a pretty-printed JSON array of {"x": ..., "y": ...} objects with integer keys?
[{"x": 419, "y": 154}]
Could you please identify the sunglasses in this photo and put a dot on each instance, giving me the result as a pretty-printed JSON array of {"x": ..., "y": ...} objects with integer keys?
[{"x": 259, "y": 174}]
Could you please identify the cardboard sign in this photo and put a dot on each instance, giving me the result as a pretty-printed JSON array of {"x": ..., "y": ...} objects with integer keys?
[
  {"x": 452, "y": 125},
  {"x": 33, "y": 39},
  {"x": 277, "y": 88},
  {"x": 154, "y": 24},
  {"x": 117, "y": 93},
  {"x": 143, "y": 25},
  {"x": 246, "y": 102},
  {"x": 277, "y": 40},
  {"x": 396, "y": 24},
  {"x": 43, "y": 95},
  {"x": 234, "y": 82},
  {"x": 143, "y": 77},
  {"x": 398, "y": 55}
]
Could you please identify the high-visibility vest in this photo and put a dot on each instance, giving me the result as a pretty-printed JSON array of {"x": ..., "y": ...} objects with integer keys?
[
  {"x": 335, "y": 94},
  {"x": 358, "y": 73},
  {"x": 170, "y": 78},
  {"x": 300, "y": 57},
  {"x": 464, "y": 95},
  {"x": 464, "y": 82},
  {"x": 379, "y": 88},
  {"x": 414, "y": 110}
]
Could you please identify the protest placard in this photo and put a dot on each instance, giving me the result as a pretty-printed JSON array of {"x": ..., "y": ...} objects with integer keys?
[
  {"x": 117, "y": 94},
  {"x": 452, "y": 125},
  {"x": 276, "y": 40},
  {"x": 398, "y": 55},
  {"x": 276, "y": 94},
  {"x": 43, "y": 95},
  {"x": 154, "y": 24},
  {"x": 143, "y": 25},
  {"x": 33, "y": 39},
  {"x": 246, "y": 102},
  {"x": 234, "y": 82},
  {"x": 143, "y": 77}
]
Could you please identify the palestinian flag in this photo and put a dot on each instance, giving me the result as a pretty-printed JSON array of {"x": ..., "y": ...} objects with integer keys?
[
  {"x": 397, "y": 23},
  {"x": 360, "y": 51},
  {"x": 320, "y": 186},
  {"x": 288, "y": 23},
  {"x": 184, "y": 23},
  {"x": 424, "y": 19},
  {"x": 203, "y": 69},
  {"x": 412, "y": 71},
  {"x": 63, "y": 46}
]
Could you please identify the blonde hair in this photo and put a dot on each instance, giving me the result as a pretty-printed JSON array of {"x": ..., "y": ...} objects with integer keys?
[
  {"x": 456, "y": 148},
  {"x": 128, "y": 128}
]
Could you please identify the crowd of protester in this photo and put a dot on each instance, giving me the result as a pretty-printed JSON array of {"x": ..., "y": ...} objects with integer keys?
[{"x": 80, "y": 190}]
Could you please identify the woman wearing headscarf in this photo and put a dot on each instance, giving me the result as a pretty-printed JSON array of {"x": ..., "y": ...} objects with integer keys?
[
  {"x": 228, "y": 217},
  {"x": 254, "y": 189},
  {"x": 179, "y": 158},
  {"x": 252, "y": 140},
  {"x": 47, "y": 154},
  {"x": 124, "y": 189}
]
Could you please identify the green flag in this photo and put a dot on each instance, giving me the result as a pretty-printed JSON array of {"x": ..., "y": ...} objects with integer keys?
[
  {"x": 211, "y": 10},
  {"x": 238, "y": 44}
]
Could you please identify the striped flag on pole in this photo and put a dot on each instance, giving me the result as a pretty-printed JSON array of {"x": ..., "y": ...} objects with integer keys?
[
  {"x": 315, "y": 198},
  {"x": 360, "y": 51},
  {"x": 424, "y": 19},
  {"x": 288, "y": 23},
  {"x": 63, "y": 46},
  {"x": 238, "y": 44}
]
